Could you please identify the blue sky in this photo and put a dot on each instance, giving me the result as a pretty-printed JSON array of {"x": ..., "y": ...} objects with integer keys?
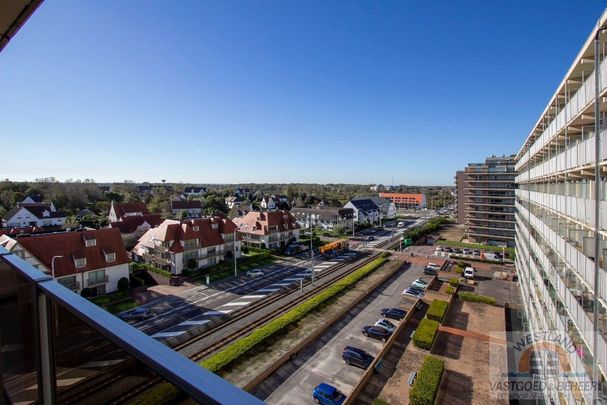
[{"x": 280, "y": 91}]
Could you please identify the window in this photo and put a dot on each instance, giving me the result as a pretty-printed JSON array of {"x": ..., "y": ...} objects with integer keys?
[
  {"x": 196, "y": 228},
  {"x": 215, "y": 226},
  {"x": 80, "y": 263},
  {"x": 110, "y": 257},
  {"x": 68, "y": 282},
  {"x": 90, "y": 242},
  {"x": 96, "y": 277}
]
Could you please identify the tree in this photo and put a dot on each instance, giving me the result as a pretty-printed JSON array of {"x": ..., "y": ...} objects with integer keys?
[
  {"x": 192, "y": 263},
  {"x": 123, "y": 284}
]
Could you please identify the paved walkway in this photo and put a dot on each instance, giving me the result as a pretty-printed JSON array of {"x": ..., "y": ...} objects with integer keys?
[{"x": 473, "y": 335}]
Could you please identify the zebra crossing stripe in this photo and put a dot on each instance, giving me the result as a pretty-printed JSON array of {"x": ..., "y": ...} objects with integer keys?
[
  {"x": 192, "y": 323},
  {"x": 236, "y": 304},
  {"x": 252, "y": 297},
  {"x": 167, "y": 334}
]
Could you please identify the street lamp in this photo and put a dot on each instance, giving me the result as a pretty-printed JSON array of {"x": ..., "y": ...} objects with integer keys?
[{"x": 53, "y": 265}]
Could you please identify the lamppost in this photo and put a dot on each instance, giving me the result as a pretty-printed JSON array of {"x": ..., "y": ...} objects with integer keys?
[{"x": 53, "y": 265}]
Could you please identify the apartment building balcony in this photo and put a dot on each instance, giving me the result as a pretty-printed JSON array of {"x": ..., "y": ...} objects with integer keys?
[
  {"x": 45, "y": 330},
  {"x": 156, "y": 259},
  {"x": 95, "y": 282},
  {"x": 575, "y": 111}
]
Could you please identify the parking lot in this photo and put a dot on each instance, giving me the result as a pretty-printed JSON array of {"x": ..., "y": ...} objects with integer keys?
[{"x": 322, "y": 361}]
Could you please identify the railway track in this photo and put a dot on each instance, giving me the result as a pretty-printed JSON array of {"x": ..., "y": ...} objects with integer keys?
[{"x": 82, "y": 392}]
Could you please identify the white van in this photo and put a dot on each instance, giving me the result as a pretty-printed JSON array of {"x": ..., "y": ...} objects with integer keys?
[
  {"x": 469, "y": 272},
  {"x": 401, "y": 224}
]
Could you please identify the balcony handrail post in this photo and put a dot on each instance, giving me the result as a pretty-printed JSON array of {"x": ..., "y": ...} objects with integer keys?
[{"x": 47, "y": 382}]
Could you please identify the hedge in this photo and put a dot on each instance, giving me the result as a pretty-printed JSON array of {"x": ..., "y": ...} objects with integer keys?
[
  {"x": 437, "y": 310},
  {"x": 453, "y": 282},
  {"x": 429, "y": 227},
  {"x": 427, "y": 382},
  {"x": 143, "y": 266},
  {"x": 165, "y": 392},
  {"x": 472, "y": 297},
  {"x": 449, "y": 290},
  {"x": 425, "y": 333}
]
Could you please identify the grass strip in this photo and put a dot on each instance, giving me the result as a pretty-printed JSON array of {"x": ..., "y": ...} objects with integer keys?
[{"x": 472, "y": 297}]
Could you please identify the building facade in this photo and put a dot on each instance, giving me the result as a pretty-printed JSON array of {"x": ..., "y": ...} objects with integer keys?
[
  {"x": 485, "y": 200},
  {"x": 326, "y": 218},
  {"x": 406, "y": 201},
  {"x": 556, "y": 223},
  {"x": 365, "y": 211},
  {"x": 272, "y": 229},
  {"x": 191, "y": 208},
  {"x": 387, "y": 209},
  {"x": 85, "y": 259},
  {"x": 177, "y": 245},
  {"x": 32, "y": 213}
]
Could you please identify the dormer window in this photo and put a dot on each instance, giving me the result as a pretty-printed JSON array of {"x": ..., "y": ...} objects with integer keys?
[
  {"x": 110, "y": 257},
  {"x": 90, "y": 242},
  {"x": 215, "y": 226},
  {"x": 80, "y": 263},
  {"x": 196, "y": 228}
]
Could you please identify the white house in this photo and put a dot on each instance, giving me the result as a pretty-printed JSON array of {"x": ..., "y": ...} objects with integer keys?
[
  {"x": 87, "y": 259},
  {"x": 194, "y": 191},
  {"x": 365, "y": 211},
  {"x": 174, "y": 245},
  {"x": 387, "y": 208},
  {"x": 118, "y": 211},
  {"x": 34, "y": 214},
  {"x": 268, "y": 203}
]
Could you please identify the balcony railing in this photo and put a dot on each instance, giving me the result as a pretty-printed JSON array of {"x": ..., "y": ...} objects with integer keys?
[
  {"x": 91, "y": 282},
  {"x": 45, "y": 329}
]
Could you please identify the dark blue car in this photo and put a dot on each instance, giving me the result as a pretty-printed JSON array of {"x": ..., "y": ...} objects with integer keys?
[
  {"x": 328, "y": 395},
  {"x": 376, "y": 332},
  {"x": 357, "y": 357},
  {"x": 393, "y": 313}
]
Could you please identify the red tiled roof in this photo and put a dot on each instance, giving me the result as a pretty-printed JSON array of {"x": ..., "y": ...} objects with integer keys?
[
  {"x": 197, "y": 228},
  {"x": 129, "y": 224},
  {"x": 256, "y": 222},
  {"x": 132, "y": 207},
  {"x": 72, "y": 245}
]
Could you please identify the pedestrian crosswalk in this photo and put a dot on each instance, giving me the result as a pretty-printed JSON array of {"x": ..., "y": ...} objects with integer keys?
[{"x": 243, "y": 301}]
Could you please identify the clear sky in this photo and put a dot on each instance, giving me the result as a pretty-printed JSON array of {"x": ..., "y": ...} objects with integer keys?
[{"x": 280, "y": 91}]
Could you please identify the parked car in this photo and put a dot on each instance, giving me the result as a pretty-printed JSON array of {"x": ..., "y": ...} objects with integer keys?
[
  {"x": 419, "y": 283},
  {"x": 439, "y": 249},
  {"x": 138, "y": 314},
  {"x": 376, "y": 332},
  {"x": 448, "y": 249},
  {"x": 254, "y": 273},
  {"x": 476, "y": 252},
  {"x": 457, "y": 251},
  {"x": 467, "y": 251},
  {"x": 393, "y": 313},
  {"x": 384, "y": 323},
  {"x": 357, "y": 357},
  {"x": 434, "y": 265},
  {"x": 430, "y": 271},
  {"x": 327, "y": 395},
  {"x": 370, "y": 237},
  {"x": 413, "y": 292},
  {"x": 469, "y": 272}
]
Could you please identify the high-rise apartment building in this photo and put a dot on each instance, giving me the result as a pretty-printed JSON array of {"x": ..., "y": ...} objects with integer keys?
[
  {"x": 485, "y": 200},
  {"x": 556, "y": 222}
]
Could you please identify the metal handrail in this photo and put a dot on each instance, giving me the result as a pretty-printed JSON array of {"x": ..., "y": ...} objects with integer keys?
[{"x": 200, "y": 384}]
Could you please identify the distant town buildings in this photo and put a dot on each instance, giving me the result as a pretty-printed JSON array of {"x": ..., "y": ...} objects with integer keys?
[
  {"x": 193, "y": 243},
  {"x": 194, "y": 191},
  {"x": 34, "y": 213},
  {"x": 191, "y": 208},
  {"x": 406, "y": 201},
  {"x": 365, "y": 211},
  {"x": 324, "y": 217},
  {"x": 387, "y": 208},
  {"x": 118, "y": 211},
  {"x": 485, "y": 200},
  {"x": 268, "y": 203},
  {"x": 93, "y": 259},
  {"x": 269, "y": 229}
]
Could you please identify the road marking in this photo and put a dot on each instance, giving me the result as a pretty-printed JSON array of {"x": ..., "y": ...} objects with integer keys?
[
  {"x": 236, "y": 304},
  {"x": 212, "y": 313},
  {"x": 252, "y": 297},
  {"x": 102, "y": 363},
  {"x": 282, "y": 284},
  {"x": 292, "y": 279},
  {"x": 167, "y": 334},
  {"x": 188, "y": 323},
  {"x": 269, "y": 290}
]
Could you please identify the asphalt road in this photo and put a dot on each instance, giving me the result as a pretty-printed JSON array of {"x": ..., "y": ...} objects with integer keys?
[{"x": 321, "y": 361}]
